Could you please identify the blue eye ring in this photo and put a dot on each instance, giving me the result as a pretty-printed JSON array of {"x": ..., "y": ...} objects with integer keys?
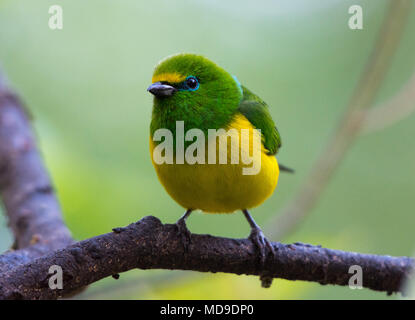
[{"x": 191, "y": 83}]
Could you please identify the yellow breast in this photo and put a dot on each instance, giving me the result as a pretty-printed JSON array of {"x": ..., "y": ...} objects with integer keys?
[{"x": 221, "y": 188}]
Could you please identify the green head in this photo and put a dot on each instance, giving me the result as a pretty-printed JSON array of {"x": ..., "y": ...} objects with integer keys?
[{"x": 193, "y": 89}]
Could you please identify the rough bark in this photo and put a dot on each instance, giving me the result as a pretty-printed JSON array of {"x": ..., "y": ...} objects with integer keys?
[
  {"x": 149, "y": 244},
  {"x": 25, "y": 187}
]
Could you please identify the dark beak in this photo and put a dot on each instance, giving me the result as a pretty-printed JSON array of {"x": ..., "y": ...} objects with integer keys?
[{"x": 161, "y": 90}]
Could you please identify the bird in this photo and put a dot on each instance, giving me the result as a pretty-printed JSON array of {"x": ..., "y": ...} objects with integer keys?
[{"x": 190, "y": 88}]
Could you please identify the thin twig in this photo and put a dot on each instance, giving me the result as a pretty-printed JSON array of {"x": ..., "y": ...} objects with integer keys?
[{"x": 399, "y": 107}]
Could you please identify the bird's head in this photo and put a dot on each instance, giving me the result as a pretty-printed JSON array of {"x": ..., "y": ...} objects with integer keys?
[{"x": 193, "y": 89}]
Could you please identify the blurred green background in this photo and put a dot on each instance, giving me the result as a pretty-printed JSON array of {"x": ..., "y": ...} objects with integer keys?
[{"x": 86, "y": 88}]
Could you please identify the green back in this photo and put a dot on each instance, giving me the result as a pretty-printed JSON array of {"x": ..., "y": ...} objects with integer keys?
[{"x": 256, "y": 111}]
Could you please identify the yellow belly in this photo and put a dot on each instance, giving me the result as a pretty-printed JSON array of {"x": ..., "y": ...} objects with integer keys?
[{"x": 220, "y": 188}]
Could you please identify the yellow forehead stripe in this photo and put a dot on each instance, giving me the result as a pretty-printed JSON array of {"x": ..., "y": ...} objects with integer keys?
[{"x": 168, "y": 77}]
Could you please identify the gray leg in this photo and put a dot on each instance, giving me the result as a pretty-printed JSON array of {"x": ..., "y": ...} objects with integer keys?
[{"x": 182, "y": 229}]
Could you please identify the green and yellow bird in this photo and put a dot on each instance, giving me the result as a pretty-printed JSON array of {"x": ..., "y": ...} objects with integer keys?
[{"x": 193, "y": 89}]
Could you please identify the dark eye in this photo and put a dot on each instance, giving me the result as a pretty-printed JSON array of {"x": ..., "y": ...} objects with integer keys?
[{"x": 192, "y": 83}]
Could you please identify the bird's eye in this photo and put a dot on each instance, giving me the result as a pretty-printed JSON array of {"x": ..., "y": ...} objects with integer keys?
[{"x": 192, "y": 83}]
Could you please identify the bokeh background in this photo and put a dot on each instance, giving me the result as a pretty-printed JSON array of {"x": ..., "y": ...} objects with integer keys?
[{"x": 86, "y": 88}]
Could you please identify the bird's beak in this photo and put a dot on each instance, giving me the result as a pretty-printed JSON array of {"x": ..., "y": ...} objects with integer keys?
[{"x": 161, "y": 90}]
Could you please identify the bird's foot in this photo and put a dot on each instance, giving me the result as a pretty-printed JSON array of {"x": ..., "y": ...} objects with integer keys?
[
  {"x": 184, "y": 233},
  {"x": 262, "y": 244}
]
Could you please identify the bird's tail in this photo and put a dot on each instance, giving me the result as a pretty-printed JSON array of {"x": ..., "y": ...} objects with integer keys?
[{"x": 285, "y": 169}]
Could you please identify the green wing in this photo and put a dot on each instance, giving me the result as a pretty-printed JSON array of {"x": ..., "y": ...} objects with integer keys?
[{"x": 256, "y": 111}]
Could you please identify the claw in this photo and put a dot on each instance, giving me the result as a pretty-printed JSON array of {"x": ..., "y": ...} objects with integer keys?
[{"x": 262, "y": 244}]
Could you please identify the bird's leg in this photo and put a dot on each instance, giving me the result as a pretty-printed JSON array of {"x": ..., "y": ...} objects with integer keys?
[
  {"x": 262, "y": 243},
  {"x": 182, "y": 228},
  {"x": 258, "y": 238}
]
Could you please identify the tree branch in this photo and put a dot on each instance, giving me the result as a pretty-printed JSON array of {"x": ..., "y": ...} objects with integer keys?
[
  {"x": 26, "y": 190},
  {"x": 148, "y": 244}
]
